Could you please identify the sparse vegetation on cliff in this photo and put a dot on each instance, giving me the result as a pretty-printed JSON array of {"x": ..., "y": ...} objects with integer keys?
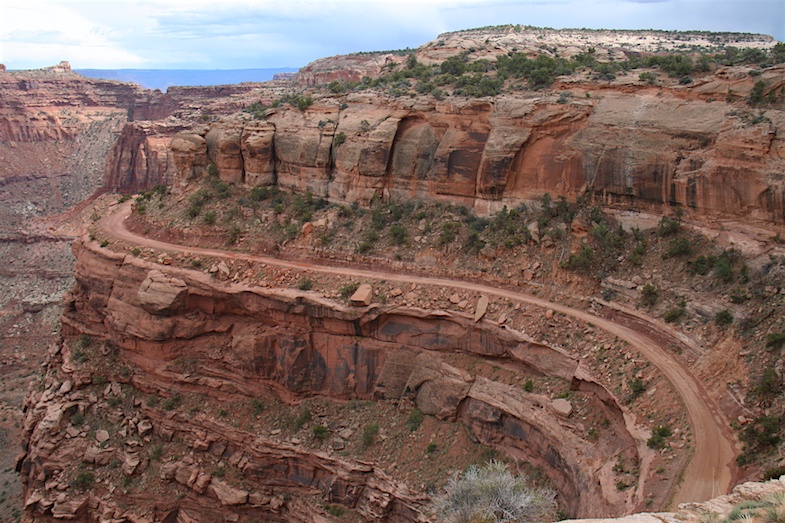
[{"x": 491, "y": 493}]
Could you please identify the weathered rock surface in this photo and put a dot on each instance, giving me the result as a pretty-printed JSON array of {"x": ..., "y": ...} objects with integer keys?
[
  {"x": 250, "y": 340},
  {"x": 625, "y": 145},
  {"x": 160, "y": 293}
]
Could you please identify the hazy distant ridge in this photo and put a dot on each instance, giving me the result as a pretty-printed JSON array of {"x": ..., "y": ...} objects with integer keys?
[{"x": 163, "y": 78}]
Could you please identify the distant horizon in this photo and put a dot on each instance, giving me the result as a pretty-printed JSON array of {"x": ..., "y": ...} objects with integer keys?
[
  {"x": 162, "y": 79},
  {"x": 172, "y": 35}
]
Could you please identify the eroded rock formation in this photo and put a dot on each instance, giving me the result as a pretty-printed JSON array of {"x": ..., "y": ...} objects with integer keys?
[
  {"x": 247, "y": 340},
  {"x": 646, "y": 148}
]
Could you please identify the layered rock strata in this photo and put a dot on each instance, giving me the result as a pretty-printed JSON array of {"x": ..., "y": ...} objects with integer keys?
[
  {"x": 245, "y": 341},
  {"x": 639, "y": 147}
]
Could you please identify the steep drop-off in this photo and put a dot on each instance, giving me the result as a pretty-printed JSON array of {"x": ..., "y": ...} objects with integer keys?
[{"x": 244, "y": 342}]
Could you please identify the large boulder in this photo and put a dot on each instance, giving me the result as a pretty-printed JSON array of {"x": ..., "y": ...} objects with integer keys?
[{"x": 161, "y": 294}]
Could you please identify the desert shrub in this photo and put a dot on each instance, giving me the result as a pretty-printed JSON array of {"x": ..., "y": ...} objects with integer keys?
[
  {"x": 339, "y": 139},
  {"x": 723, "y": 318},
  {"x": 449, "y": 233},
  {"x": 302, "y": 418},
  {"x": 210, "y": 217},
  {"x": 222, "y": 189},
  {"x": 84, "y": 480},
  {"x": 335, "y": 510},
  {"x": 173, "y": 402},
  {"x": 658, "y": 435},
  {"x": 580, "y": 261},
  {"x": 369, "y": 434},
  {"x": 667, "y": 226},
  {"x": 637, "y": 387},
  {"x": 77, "y": 419},
  {"x": 305, "y": 283},
  {"x": 398, "y": 234},
  {"x": 678, "y": 247},
  {"x": 674, "y": 314},
  {"x": 260, "y": 193},
  {"x": 702, "y": 265},
  {"x": 257, "y": 406},
  {"x": 474, "y": 244},
  {"x": 769, "y": 384},
  {"x": 490, "y": 493},
  {"x": 414, "y": 420},
  {"x": 320, "y": 432},
  {"x": 756, "y": 95},
  {"x": 234, "y": 235},
  {"x": 431, "y": 448},
  {"x": 348, "y": 289},
  {"x": 649, "y": 295},
  {"x": 156, "y": 452},
  {"x": 762, "y": 434},
  {"x": 648, "y": 77},
  {"x": 775, "y": 340}
]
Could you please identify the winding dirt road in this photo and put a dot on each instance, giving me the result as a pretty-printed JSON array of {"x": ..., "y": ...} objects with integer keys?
[{"x": 711, "y": 469}]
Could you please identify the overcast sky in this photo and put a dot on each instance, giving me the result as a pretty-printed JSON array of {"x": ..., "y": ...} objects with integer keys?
[{"x": 235, "y": 34}]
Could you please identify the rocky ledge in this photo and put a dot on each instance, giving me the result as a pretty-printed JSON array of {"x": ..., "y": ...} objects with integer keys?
[{"x": 174, "y": 335}]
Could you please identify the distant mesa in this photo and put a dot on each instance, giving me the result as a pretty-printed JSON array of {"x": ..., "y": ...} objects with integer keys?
[
  {"x": 62, "y": 67},
  {"x": 284, "y": 76}
]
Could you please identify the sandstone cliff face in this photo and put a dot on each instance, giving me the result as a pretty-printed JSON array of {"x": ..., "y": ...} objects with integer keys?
[
  {"x": 346, "y": 68},
  {"x": 646, "y": 148},
  {"x": 246, "y": 341}
]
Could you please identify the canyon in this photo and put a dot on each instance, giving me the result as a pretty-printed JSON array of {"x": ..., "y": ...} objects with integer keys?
[{"x": 208, "y": 370}]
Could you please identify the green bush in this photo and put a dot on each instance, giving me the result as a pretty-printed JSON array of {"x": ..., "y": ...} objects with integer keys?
[
  {"x": 580, "y": 261},
  {"x": 173, "y": 402},
  {"x": 770, "y": 384},
  {"x": 723, "y": 318},
  {"x": 398, "y": 234},
  {"x": 667, "y": 226},
  {"x": 490, "y": 493},
  {"x": 339, "y": 139},
  {"x": 369, "y": 434},
  {"x": 637, "y": 387},
  {"x": 414, "y": 420},
  {"x": 762, "y": 434},
  {"x": 84, "y": 480},
  {"x": 348, "y": 289},
  {"x": 658, "y": 435},
  {"x": 305, "y": 284},
  {"x": 649, "y": 295},
  {"x": 678, "y": 247},
  {"x": 674, "y": 314},
  {"x": 210, "y": 217},
  {"x": 156, "y": 452},
  {"x": 449, "y": 233},
  {"x": 775, "y": 340},
  {"x": 302, "y": 418},
  {"x": 260, "y": 193},
  {"x": 320, "y": 432},
  {"x": 648, "y": 77}
]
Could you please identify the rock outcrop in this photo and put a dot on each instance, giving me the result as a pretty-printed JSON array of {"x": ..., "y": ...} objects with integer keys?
[
  {"x": 648, "y": 148},
  {"x": 247, "y": 341}
]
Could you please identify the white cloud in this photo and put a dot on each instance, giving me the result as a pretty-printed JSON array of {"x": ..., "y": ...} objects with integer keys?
[
  {"x": 273, "y": 33},
  {"x": 44, "y": 33}
]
